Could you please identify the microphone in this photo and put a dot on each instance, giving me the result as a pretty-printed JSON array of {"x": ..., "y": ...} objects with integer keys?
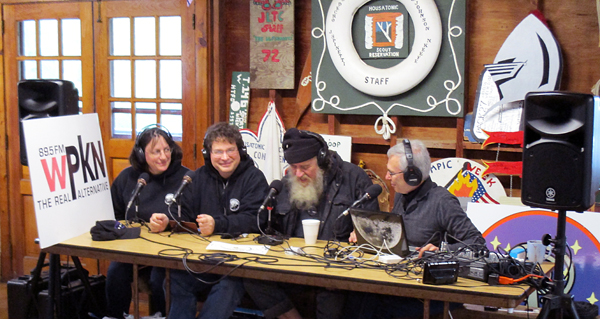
[
  {"x": 187, "y": 179},
  {"x": 141, "y": 182},
  {"x": 370, "y": 193},
  {"x": 275, "y": 188}
]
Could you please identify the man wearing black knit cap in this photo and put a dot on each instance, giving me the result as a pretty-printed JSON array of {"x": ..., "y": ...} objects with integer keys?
[{"x": 318, "y": 185}]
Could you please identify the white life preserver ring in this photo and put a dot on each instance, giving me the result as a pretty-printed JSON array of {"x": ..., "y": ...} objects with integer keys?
[{"x": 394, "y": 80}]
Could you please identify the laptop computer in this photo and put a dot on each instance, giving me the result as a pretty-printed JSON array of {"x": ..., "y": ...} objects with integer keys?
[{"x": 384, "y": 231}]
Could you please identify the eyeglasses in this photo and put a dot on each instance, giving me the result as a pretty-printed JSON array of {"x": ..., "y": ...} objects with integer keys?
[
  {"x": 156, "y": 153},
  {"x": 392, "y": 174},
  {"x": 230, "y": 152}
]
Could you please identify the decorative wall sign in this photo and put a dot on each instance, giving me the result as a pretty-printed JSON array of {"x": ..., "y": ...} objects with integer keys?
[
  {"x": 264, "y": 145},
  {"x": 239, "y": 99},
  {"x": 272, "y": 44},
  {"x": 465, "y": 178},
  {"x": 376, "y": 58}
]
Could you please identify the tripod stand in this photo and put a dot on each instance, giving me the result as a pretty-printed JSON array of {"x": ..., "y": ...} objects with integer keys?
[{"x": 557, "y": 301}]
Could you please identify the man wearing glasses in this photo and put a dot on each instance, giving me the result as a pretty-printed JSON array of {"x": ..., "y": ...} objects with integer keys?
[
  {"x": 431, "y": 214},
  {"x": 223, "y": 198}
]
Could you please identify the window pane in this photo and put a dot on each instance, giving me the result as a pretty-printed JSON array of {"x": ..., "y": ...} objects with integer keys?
[
  {"x": 27, "y": 38},
  {"x": 72, "y": 72},
  {"x": 80, "y": 103},
  {"x": 174, "y": 123},
  {"x": 71, "y": 37},
  {"x": 170, "y": 79},
  {"x": 28, "y": 70},
  {"x": 120, "y": 73},
  {"x": 120, "y": 33},
  {"x": 146, "y": 106},
  {"x": 49, "y": 37},
  {"x": 49, "y": 69},
  {"x": 170, "y": 106},
  {"x": 121, "y": 121},
  {"x": 145, "y": 79},
  {"x": 144, "y": 36},
  {"x": 170, "y": 35},
  {"x": 142, "y": 120}
]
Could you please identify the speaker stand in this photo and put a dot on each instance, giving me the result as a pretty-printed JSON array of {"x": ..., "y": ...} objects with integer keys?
[{"x": 557, "y": 301}]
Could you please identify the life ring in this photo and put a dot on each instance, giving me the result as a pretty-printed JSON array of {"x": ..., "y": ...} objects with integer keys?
[{"x": 390, "y": 81}]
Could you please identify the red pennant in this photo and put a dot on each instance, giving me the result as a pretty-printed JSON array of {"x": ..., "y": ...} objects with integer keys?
[
  {"x": 512, "y": 138},
  {"x": 507, "y": 168}
]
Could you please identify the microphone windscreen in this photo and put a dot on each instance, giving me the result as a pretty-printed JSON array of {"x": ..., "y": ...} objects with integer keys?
[
  {"x": 143, "y": 176},
  {"x": 277, "y": 185},
  {"x": 374, "y": 190},
  {"x": 189, "y": 176}
]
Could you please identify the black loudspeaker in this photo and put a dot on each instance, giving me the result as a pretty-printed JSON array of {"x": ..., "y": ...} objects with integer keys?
[
  {"x": 45, "y": 98},
  {"x": 560, "y": 160}
]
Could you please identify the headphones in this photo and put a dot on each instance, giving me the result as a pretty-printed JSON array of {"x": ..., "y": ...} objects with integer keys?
[
  {"x": 322, "y": 160},
  {"x": 412, "y": 174},
  {"x": 238, "y": 142},
  {"x": 137, "y": 148}
]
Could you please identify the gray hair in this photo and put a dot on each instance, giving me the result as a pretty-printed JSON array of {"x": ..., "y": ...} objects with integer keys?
[{"x": 421, "y": 157}]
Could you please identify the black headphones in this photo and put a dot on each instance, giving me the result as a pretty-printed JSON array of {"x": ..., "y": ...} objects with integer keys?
[
  {"x": 322, "y": 160},
  {"x": 412, "y": 174},
  {"x": 137, "y": 148},
  {"x": 239, "y": 143}
]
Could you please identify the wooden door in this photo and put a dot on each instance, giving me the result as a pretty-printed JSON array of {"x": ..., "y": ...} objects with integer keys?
[
  {"x": 40, "y": 41},
  {"x": 167, "y": 25}
]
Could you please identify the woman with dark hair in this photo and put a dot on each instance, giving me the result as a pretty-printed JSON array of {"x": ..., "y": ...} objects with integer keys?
[{"x": 156, "y": 154}]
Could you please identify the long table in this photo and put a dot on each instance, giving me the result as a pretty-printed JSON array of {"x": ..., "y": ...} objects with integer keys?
[{"x": 162, "y": 250}]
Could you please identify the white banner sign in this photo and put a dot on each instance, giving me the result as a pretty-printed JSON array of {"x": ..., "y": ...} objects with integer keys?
[{"x": 69, "y": 179}]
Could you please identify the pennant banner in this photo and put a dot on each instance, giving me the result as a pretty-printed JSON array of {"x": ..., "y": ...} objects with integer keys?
[
  {"x": 512, "y": 138},
  {"x": 508, "y": 168}
]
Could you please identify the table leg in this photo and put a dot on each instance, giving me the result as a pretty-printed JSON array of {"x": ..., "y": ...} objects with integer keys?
[
  {"x": 136, "y": 296},
  {"x": 446, "y": 309},
  {"x": 426, "y": 303},
  {"x": 167, "y": 291}
]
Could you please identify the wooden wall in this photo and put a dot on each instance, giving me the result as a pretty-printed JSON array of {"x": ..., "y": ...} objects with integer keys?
[{"x": 574, "y": 24}]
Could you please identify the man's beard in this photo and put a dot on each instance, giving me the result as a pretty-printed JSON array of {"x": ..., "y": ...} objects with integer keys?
[{"x": 305, "y": 197}]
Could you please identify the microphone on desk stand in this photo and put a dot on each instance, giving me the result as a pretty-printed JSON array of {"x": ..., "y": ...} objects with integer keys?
[
  {"x": 269, "y": 235},
  {"x": 172, "y": 198},
  {"x": 371, "y": 192},
  {"x": 141, "y": 182}
]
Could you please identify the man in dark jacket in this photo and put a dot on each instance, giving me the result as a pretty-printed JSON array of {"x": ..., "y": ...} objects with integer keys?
[
  {"x": 223, "y": 198},
  {"x": 431, "y": 214},
  {"x": 318, "y": 185}
]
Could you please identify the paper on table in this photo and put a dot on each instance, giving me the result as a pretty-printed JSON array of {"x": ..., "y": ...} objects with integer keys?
[{"x": 251, "y": 249}]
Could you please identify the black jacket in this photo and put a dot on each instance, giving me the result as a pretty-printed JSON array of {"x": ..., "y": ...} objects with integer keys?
[
  {"x": 431, "y": 213},
  {"x": 233, "y": 203},
  {"x": 151, "y": 197},
  {"x": 344, "y": 184}
]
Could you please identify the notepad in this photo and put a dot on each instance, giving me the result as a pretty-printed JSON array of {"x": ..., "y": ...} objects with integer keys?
[{"x": 249, "y": 249}]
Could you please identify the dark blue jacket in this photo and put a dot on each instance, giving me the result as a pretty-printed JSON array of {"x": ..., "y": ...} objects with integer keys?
[
  {"x": 233, "y": 202},
  {"x": 344, "y": 184},
  {"x": 151, "y": 197}
]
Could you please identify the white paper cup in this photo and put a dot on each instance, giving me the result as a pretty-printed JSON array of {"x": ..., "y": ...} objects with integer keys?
[
  {"x": 536, "y": 251},
  {"x": 311, "y": 230}
]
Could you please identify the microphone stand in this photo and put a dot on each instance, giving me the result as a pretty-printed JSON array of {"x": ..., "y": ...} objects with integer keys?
[{"x": 271, "y": 236}]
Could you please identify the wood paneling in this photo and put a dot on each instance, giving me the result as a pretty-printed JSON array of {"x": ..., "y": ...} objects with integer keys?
[{"x": 574, "y": 24}]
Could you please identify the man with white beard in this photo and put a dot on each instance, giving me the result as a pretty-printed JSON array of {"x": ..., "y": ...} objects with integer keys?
[{"x": 318, "y": 185}]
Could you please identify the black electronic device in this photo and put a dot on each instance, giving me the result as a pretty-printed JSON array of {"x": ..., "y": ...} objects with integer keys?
[
  {"x": 45, "y": 98},
  {"x": 561, "y": 164},
  {"x": 384, "y": 231},
  {"x": 440, "y": 273}
]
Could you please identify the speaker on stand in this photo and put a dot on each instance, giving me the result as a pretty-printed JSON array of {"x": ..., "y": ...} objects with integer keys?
[
  {"x": 45, "y": 98},
  {"x": 561, "y": 170}
]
